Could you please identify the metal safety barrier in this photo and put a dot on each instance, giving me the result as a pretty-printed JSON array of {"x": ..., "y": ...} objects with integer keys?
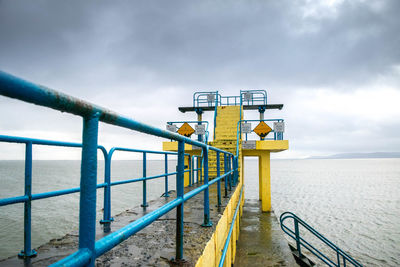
[
  {"x": 228, "y": 238},
  {"x": 246, "y": 97},
  {"x": 342, "y": 258},
  {"x": 89, "y": 248},
  {"x": 277, "y": 135}
]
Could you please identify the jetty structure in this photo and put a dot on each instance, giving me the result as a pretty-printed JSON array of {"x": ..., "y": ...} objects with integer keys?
[{"x": 203, "y": 221}]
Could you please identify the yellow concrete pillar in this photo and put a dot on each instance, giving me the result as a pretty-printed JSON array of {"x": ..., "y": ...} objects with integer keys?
[
  {"x": 241, "y": 168},
  {"x": 186, "y": 175},
  {"x": 265, "y": 181},
  {"x": 259, "y": 178}
]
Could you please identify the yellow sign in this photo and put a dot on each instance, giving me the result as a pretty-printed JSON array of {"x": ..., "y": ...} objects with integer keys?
[
  {"x": 262, "y": 129},
  {"x": 186, "y": 130}
]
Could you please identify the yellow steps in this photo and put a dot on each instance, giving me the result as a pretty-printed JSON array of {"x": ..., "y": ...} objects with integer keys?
[{"x": 225, "y": 136}]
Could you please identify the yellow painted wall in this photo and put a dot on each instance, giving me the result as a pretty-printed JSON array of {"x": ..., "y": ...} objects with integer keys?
[{"x": 213, "y": 250}]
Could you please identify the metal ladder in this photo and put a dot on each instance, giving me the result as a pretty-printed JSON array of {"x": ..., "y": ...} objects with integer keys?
[{"x": 342, "y": 258}]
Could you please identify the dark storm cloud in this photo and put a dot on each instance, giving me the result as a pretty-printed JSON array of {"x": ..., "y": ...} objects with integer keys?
[
  {"x": 205, "y": 44},
  {"x": 144, "y": 58}
]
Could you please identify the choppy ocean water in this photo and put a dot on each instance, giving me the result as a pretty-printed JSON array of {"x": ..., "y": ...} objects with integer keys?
[{"x": 355, "y": 203}]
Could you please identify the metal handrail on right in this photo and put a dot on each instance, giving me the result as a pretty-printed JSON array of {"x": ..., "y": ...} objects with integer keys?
[{"x": 341, "y": 256}]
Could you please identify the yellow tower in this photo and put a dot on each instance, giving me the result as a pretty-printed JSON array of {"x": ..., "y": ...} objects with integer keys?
[{"x": 231, "y": 134}]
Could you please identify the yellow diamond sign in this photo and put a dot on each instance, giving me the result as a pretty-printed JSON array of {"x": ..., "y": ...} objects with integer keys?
[
  {"x": 262, "y": 129},
  {"x": 186, "y": 130}
]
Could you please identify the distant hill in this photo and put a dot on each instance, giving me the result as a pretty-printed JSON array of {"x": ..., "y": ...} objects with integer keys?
[{"x": 373, "y": 155}]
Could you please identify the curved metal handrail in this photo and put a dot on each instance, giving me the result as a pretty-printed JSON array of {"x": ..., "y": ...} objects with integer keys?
[{"x": 302, "y": 242}]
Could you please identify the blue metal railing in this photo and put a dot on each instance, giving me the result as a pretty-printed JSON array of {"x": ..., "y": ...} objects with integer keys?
[
  {"x": 28, "y": 197},
  {"x": 202, "y": 99},
  {"x": 253, "y": 97},
  {"x": 197, "y": 122},
  {"x": 277, "y": 136},
  {"x": 228, "y": 238},
  {"x": 89, "y": 248},
  {"x": 341, "y": 256},
  {"x": 215, "y": 114},
  {"x": 246, "y": 97}
]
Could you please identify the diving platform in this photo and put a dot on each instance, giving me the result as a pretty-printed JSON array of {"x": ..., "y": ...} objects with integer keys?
[
  {"x": 245, "y": 107},
  {"x": 197, "y": 223}
]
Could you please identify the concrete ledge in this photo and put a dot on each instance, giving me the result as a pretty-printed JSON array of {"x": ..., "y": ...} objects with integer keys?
[
  {"x": 173, "y": 146},
  {"x": 267, "y": 145},
  {"x": 213, "y": 251},
  {"x": 152, "y": 246},
  {"x": 262, "y": 242}
]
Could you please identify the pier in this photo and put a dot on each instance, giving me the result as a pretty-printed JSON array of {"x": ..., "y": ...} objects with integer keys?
[{"x": 199, "y": 223}]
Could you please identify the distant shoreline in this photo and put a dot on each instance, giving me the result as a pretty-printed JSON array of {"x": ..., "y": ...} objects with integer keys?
[{"x": 374, "y": 155}]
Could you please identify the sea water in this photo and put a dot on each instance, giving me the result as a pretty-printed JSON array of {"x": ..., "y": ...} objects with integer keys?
[{"x": 354, "y": 202}]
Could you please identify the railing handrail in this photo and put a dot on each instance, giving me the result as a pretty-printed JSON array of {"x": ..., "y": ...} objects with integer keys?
[
  {"x": 302, "y": 242},
  {"x": 258, "y": 97},
  {"x": 239, "y": 130},
  {"x": 205, "y": 122},
  {"x": 228, "y": 238},
  {"x": 17, "y": 88},
  {"x": 89, "y": 248},
  {"x": 107, "y": 156}
]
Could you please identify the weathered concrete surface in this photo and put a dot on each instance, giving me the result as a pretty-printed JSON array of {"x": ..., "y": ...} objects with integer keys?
[
  {"x": 261, "y": 241},
  {"x": 152, "y": 246}
]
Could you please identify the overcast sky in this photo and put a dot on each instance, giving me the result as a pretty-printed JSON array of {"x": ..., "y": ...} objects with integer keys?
[{"x": 335, "y": 65}]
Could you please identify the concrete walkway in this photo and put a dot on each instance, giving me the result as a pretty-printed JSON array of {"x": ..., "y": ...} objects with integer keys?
[
  {"x": 152, "y": 246},
  {"x": 261, "y": 241}
]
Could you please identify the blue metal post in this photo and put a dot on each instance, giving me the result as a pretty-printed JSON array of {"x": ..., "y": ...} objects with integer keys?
[
  {"x": 199, "y": 112},
  {"x": 179, "y": 193},
  {"x": 166, "y": 176},
  {"x": 226, "y": 178},
  {"x": 229, "y": 176},
  {"x": 106, "y": 222},
  {"x": 192, "y": 169},
  {"x": 87, "y": 202},
  {"x": 28, "y": 252},
  {"x": 237, "y": 169},
  {"x": 233, "y": 174},
  {"x": 197, "y": 170},
  {"x": 207, "y": 222},
  {"x": 297, "y": 233},
  {"x": 201, "y": 169},
  {"x": 219, "y": 180},
  {"x": 144, "y": 204}
]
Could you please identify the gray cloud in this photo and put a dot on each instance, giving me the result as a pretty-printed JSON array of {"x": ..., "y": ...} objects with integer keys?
[
  {"x": 141, "y": 58},
  {"x": 178, "y": 42}
]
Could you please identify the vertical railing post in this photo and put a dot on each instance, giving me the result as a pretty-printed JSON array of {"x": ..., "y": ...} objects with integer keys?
[
  {"x": 237, "y": 169},
  {"x": 144, "y": 204},
  {"x": 233, "y": 173},
  {"x": 297, "y": 234},
  {"x": 166, "y": 176},
  {"x": 179, "y": 208},
  {"x": 207, "y": 222},
  {"x": 230, "y": 175},
  {"x": 28, "y": 252},
  {"x": 219, "y": 180},
  {"x": 201, "y": 169},
  {"x": 106, "y": 222},
  {"x": 87, "y": 202},
  {"x": 192, "y": 169},
  {"x": 226, "y": 178},
  {"x": 198, "y": 170}
]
